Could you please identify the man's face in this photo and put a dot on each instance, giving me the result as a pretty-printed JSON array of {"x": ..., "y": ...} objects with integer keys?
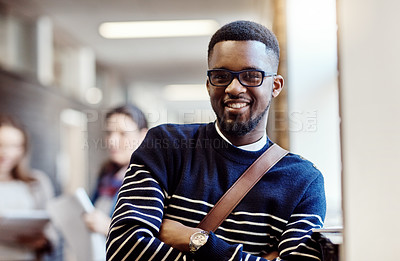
[{"x": 239, "y": 109}]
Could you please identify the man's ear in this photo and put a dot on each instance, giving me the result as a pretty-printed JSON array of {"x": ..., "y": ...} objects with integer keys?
[{"x": 278, "y": 85}]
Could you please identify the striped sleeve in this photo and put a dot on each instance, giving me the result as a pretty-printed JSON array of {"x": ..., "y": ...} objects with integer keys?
[
  {"x": 296, "y": 242},
  {"x": 137, "y": 219}
]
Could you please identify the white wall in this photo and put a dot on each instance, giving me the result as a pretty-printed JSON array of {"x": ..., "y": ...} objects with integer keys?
[
  {"x": 172, "y": 107},
  {"x": 369, "y": 49},
  {"x": 312, "y": 85}
]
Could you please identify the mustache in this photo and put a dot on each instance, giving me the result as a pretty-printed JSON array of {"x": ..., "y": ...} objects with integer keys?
[{"x": 231, "y": 96}]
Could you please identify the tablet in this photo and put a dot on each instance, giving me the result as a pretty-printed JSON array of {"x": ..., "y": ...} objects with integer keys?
[{"x": 16, "y": 223}]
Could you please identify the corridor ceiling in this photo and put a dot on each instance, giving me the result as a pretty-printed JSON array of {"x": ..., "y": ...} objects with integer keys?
[{"x": 159, "y": 59}]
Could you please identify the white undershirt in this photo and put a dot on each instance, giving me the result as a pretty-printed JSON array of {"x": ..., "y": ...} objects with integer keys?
[{"x": 255, "y": 146}]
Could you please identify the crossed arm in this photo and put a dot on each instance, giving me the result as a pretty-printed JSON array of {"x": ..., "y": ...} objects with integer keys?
[
  {"x": 139, "y": 229},
  {"x": 177, "y": 235}
]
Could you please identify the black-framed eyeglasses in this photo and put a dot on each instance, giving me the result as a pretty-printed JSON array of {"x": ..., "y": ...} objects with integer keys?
[{"x": 248, "y": 78}]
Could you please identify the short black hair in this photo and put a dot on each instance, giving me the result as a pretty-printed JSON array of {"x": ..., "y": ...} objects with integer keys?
[
  {"x": 246, "y": 31},
  {"x": 131, "y": 111}
]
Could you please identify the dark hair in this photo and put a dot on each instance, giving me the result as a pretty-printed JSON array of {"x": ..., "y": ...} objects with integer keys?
[
  {"x": 131, "y": 111},
  {"x": 21, "y": 170},
  {"x": 246, "y": 31}
]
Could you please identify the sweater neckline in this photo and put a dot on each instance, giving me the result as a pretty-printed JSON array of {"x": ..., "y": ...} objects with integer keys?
[
  {"x": 230, "y": 151},
  {"x": 255, "y": 146}
]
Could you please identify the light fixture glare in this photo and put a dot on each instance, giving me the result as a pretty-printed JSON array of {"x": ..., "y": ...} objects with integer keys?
[{"x": 151, "y": 29}]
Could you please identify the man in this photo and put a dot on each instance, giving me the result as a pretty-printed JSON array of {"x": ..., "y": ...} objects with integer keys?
[{"x": 180, "y": 171}]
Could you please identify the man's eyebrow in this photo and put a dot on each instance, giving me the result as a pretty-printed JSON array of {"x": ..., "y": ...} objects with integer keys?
[
  {"x": 245, "y": 68},
  {"x": 252, "y": 68}
]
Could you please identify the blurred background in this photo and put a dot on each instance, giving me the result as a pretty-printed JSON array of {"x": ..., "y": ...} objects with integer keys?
[{"x": 59, "y": 76}]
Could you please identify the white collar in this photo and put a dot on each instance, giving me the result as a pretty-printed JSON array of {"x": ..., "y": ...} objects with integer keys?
[{"x": 255, "y": 146}]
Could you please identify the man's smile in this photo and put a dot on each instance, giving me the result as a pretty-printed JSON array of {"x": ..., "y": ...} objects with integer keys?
[{"x": 236, "y": 105}]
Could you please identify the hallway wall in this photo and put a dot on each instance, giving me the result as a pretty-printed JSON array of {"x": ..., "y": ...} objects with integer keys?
[{"x": 369, "y": 64}]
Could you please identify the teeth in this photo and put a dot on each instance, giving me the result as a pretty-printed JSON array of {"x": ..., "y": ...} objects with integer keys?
[{"x": 236, "y": 105}]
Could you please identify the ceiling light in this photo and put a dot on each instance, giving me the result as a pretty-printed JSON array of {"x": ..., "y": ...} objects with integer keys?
[{"x": 151, "y": 29}]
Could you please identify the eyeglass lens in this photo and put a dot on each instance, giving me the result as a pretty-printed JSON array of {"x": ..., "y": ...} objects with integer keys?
[{"x": 246, "y": 78}]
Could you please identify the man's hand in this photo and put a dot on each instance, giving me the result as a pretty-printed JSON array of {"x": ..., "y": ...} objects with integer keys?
[
  {"x": 176, "y": 235},
  {"x": 97, "y": 221},
  {"x": 271, "y": 256}
]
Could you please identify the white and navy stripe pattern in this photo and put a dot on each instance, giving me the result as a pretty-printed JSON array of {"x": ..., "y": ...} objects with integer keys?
[{"x": 183, "y": 184}]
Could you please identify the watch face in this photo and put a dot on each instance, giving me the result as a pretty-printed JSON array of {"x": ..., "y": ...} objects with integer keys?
[{"x": 199, "y": 239}]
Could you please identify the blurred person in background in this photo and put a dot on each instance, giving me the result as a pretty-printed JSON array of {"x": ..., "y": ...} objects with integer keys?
[
  {"x": 126, "y": 128},
  {"x": 21, "y": 189}
]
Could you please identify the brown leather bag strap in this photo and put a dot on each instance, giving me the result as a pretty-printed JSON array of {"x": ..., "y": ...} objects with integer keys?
[{"x": 241, "y": 187}]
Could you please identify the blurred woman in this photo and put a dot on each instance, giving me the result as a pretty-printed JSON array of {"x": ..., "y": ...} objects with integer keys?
[
  {"x": 21, "y": 189},
  {"x": 126, "y": 128}
]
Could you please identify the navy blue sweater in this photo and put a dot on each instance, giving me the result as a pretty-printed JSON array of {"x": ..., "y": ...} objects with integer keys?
[{"x": 180, "y": 172}]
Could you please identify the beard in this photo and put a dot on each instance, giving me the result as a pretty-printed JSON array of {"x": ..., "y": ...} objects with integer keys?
[{"x": 237, "y": 128}]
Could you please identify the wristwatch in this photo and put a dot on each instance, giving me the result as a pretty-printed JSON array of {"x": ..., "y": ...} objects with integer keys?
[{"x": 198, "y": 240}]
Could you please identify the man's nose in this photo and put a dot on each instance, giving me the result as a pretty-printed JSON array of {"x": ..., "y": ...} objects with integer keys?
[{"x": 235, "y": 87}]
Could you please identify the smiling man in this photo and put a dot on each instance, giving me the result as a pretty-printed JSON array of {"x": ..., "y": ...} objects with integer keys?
[
  {"x": 238, "y": 71},
  {"x": 180, "y": 171}
]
